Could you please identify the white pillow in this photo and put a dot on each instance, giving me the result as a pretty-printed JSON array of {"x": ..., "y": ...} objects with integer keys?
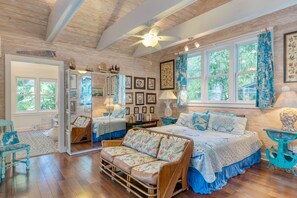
[
  {"x": 185, "y": 119},
  {"x": 227, "y": 124}
]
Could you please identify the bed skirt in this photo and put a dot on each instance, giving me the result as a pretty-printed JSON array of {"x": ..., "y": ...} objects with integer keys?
[
  {"x": 109, "y": 136},
  {"x": 199, "y": 185}
]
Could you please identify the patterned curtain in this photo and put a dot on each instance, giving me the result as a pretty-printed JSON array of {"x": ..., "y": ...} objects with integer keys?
[
  {"x": 181, "y": 79},
  {"x": 119, "y": 95},
  {"x": 265, "y": 96}
]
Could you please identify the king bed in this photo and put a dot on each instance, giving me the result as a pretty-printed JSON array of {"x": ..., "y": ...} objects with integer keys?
[{"x": 220, "y": 152}]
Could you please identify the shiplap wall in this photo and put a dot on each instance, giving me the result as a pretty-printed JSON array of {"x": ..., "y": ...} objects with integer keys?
[{"x": 283, "y": 21}]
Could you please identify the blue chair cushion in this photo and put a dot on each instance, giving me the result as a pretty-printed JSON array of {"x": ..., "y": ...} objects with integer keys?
[
  {"x": 13, "y": 147},
  {"x": 10, "y": 138}
]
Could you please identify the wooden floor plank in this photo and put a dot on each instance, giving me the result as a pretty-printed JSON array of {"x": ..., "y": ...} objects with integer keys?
[{"x": 64, "y": 176}]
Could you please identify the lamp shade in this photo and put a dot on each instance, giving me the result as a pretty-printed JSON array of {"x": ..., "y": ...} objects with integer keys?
[
  {"x": 287, "y": 99},
  {"x": 167, "y": 95}
]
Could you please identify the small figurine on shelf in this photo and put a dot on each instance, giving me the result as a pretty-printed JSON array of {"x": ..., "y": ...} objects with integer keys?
[
  {"x": 114, "y": 69},
  {"x": 102, "y": 68},
  {"x": 71, "y": 63}
]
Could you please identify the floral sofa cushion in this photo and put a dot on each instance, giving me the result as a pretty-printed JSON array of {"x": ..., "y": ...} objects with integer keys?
[
  {"x": 149, "y": 144},
  {"x": 127, "y": 162},
  {"x": 171, "y": 150},
  {"x": 227, "y": 124},
  {"x": 109, "y": 153},
  {"x": 133, "y": 137},
  {"x": 148, "y": 173}
]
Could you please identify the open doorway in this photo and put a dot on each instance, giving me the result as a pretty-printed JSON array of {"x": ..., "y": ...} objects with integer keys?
[{"x": 34, "y": 99}]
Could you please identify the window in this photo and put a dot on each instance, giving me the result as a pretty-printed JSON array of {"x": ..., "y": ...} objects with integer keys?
[
  {"x": 48, "y": 90},
  {"x": 246, "y": 74},
  {"x": 218, "y": 75},
  {"x": 194, "y": 77},
  {"x": 25, "y": 93},
  {"x": 224, "y": 74}
]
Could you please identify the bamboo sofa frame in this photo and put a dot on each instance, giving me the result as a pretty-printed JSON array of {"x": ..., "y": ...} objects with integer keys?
[{"x": 169, "y": 175}]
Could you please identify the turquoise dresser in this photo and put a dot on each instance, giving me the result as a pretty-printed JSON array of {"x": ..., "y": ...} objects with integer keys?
[
  {"x": 168, "y": 120},
  {"x": 281, "y": 157}
]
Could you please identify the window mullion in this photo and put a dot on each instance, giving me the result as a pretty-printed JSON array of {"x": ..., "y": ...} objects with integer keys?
[
  {"x": 204, "y": 73},
  {"x": 232, "y": 71}
]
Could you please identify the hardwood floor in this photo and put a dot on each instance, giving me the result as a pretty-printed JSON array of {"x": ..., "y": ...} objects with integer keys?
[
  {"x": 84, "y": 146},
  {"x": 61, "y": 175}
]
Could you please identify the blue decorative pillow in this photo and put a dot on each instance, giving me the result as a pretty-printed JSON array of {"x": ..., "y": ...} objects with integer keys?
[
  {"x": 223, "y": 114},
  {"x": 119, "y": 113},
  {"x": 200, "y": 121},
  {"x": 10, "y": 138}
]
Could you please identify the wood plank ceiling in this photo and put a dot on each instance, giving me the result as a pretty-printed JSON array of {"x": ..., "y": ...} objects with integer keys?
[{"x": 29, "y": 17}]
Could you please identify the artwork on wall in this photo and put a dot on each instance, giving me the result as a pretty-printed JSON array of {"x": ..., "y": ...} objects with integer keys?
[
  {"x": 136, "y": 110},
  {"x": 72, "y": 107},
  {"x": 73, "y": 81},
  {"x": 144, "y": 109},
  {"x": 151, "y": 83},
  {"x": 73, "y": 94},
  {"x": 290, "y": 57},
  {"x": 139, "y": 83},
  {"x": 127, "y": 110},
  {"x": 129, "y": 98},
  {"x": 97, "y": 92},
  {"x": 167, "y": 75},
  {"x": 139, "y": 98},
  {"x": 128, "y": 81},
  {"x": 152, "y": 109},
  {"x": 151, "y": 98}
]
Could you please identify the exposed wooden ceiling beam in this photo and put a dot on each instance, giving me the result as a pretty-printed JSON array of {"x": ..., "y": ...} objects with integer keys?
[
  {"x": 227, "y": 15},
  {"x": 62, "y": 13},
  {"x": 150, "y": 11}
]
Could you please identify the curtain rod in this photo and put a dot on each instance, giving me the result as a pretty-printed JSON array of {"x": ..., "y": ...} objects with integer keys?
[{"x": 266, "y": 29}]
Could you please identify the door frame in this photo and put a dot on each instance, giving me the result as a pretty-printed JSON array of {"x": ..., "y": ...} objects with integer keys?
[{"x": 61, "y": 92}]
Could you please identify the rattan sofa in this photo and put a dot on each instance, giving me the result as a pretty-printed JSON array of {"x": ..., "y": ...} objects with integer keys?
[{"x": 148, "y": 163}]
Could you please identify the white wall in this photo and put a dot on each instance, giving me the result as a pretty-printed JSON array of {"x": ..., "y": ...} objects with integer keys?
[{"x": 38, "y": 119}]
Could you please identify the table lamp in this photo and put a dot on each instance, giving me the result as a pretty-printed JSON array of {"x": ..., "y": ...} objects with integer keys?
[
  {"x": 109, "y": 103},
  {"x": 288, "y": 116},
  {"x": 167, "y": 96}
]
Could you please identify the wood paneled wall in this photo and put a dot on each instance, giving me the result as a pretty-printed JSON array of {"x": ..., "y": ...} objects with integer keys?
[{"x": 283, "y": 21}]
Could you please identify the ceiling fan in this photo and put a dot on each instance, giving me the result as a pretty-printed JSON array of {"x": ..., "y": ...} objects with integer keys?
[{"x": 152, "y": 39}]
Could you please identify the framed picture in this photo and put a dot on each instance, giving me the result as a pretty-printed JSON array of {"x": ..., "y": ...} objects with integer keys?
[
  {"x": 73, "y": 94},
  {"x": 136, "y": 110},
  {"x": 73, "y": 81},
  {"x": 113, "y": 84},
  {"x": 139, "y": 83},
  {"x": 151, "y": 98},
  {"x": 97, "y": 92},
  {"x": 167, "y": 75},
  {"x": 152, "y": 109},
  {"x": 129, "y": 98},
  {"x": 139, "y": 98},
  {"x": 151, "y": 83},
  {"x": 290, "y": 57},
  {"x": 128, "y": 82},
  {"x": 127, "y": 110},
  {"x": 144, "y": 109},
  {"x": 72, "y": 107}
]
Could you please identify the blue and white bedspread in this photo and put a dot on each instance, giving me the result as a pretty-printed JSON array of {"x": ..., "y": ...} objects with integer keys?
[
  {"x": 215, "y": 150},
  {"x": 103, "y": 125}
]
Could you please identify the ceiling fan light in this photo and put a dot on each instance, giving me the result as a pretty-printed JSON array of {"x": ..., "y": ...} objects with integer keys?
[
  {"x": 186, "y": 48},
  {"x": 150, "y": 40},
  {"x": 197, "y": 45}
]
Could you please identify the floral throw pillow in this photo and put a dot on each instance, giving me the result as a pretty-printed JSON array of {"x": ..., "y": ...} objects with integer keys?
[
  {"x": 185, "y": 119},
  {"x": 200, "y": 121},
  {"x": 233, "y": 125},
  {"x": 149, "y": 144},
  {"x": 132, "y": 138},
  {"x": 170, "y": 150}
]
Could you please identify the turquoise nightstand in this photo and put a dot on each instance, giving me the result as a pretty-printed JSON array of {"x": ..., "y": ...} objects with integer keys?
[
  {"x": 282, "y": 157},
  {"x": 168, "y": 120}
]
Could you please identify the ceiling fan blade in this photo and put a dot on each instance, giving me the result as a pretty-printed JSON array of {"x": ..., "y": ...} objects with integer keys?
[
  {"x": 168, "y": 38},
  {"x": 137, "y": 36},
  {"x": 158, "y": 46},
  {"x": 136, "y": 43},
  {"x": 155, "y": 30}
]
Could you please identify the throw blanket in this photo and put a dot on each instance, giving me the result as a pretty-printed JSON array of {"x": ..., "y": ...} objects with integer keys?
[
  {"x": 215, "y": 150},
  {"x": 103, "y": 125}
]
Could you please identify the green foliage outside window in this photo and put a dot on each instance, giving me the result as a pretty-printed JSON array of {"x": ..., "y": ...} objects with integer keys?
[
  {"x": 25, "y": 94},
  {"x": 48, "y": 95}
]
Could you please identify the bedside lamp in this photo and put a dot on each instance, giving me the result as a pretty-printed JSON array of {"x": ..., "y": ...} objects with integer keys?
[
  {"x": 288, "y": 117},
  {"x": 167, "y": 96},
  {"x": 109, "y": 104}
]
